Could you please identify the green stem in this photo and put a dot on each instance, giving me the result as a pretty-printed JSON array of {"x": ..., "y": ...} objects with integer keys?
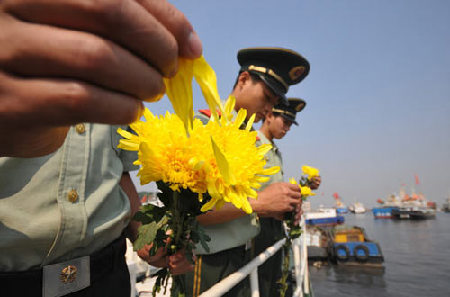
[{"x": 178, "y": 219}]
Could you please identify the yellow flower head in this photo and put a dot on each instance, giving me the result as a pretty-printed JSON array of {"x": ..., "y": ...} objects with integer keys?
[
  {"x": 306, "y": 191},
  {"x": 310, "y": 171},
  {"x": 165, "y": 153},
  {"x": 218, "y": 158}
]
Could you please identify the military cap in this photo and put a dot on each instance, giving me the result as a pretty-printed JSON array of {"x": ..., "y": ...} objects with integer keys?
[
  {"x": 279, "y": 68},
  {"x": 290, "y": 110}
]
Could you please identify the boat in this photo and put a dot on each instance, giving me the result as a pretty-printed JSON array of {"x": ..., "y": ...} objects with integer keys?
[
  {"x": 413, "y": 207},
  {"x": 323, "y": 217},
  {"x": 357, "y": 207},
  {"x": 341, "y": 208},
  {"x": 351, "y": 247},
  {"x": 384, "y": 212},
  {"x": 413, "y": 212}
]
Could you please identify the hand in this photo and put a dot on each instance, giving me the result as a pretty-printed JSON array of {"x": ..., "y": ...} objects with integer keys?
[
  {"x": 277, "y": 199},
  {"x": 315, "y": 182},
  {"x": 298, "y": 215},
  {"x": 177, "y": 263},
  {"x": 158, "y": 260},
  {"x": 63, "y": 62}
]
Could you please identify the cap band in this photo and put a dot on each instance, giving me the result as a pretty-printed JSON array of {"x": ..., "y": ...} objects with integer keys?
[
  {"x": 283, "y": 111},
  {"x": 270, "y": 72}
]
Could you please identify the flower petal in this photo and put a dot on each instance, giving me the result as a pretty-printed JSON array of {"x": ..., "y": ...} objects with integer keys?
[
  {"x": 222, "y": 162},
  {"x": 206, "y": 78},
  {"x": 179, "y": 91}
]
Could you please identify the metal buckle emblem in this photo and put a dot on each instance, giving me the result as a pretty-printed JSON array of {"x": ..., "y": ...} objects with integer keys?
[{"x": 68, "y": 274}]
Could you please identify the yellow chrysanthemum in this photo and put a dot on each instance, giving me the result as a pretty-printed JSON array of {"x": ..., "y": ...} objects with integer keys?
[
  {"x": 240, "y": 164},
  {"x": 306, "y": 191},
  {"x": 166, "y": 153},
  {"x": 219, "y": 158},
  {"x": 310, "y": 171}
]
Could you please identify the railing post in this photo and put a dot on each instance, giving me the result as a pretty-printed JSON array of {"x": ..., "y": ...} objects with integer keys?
[
  {"x": 254, "y": 286},
  {"x": 299, "y": 251},
  {"x": 305, "y": 262}
]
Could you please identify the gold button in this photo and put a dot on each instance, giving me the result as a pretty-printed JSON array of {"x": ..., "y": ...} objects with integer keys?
[
  {"x": 80, "y": 128},
  {"x": 68, "y": 274},
  {"x": 72, "y": 196}
]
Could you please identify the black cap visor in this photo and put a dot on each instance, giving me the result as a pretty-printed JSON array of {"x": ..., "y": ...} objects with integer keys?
[{"x": 289, "y": 118}]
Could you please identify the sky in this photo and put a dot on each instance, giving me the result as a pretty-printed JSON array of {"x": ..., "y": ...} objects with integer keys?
[{"x": 378, "y": 93}]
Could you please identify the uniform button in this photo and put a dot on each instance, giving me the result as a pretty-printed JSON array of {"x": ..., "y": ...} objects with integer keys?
[
  {"x": 80, "y": 128},
  {"x": 72, "y": 196}
]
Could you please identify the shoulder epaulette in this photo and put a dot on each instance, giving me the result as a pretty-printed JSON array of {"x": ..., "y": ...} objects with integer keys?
[{"x": 207, "y": 112}]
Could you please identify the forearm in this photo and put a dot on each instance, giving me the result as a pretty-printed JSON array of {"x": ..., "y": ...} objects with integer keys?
[
  {"x": 128, "y": 187},
  {"x": 227, "y": 213}
]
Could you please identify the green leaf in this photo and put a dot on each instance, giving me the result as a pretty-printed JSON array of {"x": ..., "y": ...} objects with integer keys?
[
  {"x": 149, "y": 213},
  {"x": 146, "y": 235},
  {"x": 295, "y": 232},
  {"x": 198, "y": 235}
]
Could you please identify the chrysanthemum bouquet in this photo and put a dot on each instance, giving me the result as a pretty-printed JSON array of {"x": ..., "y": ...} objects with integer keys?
[
  {"x": 294, "y": 231},
  {"x": 196, "y": 166}
]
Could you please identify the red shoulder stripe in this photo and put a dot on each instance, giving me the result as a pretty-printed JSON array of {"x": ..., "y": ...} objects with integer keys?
[{"x": 207, "y": 112}]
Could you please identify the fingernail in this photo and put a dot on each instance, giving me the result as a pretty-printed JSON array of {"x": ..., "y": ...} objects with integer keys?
[
  {"x": 194, "y": 45},
  {"x": 157, "y": 97},
  {"x": 140, "y": 111}
]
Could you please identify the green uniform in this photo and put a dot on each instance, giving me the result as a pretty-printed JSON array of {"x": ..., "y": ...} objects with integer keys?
[
  {"x": 271, "y": 230},
  {"x": 278, "y": 69},
  {"x": 66, "y": 204},
  {"x": 229, "y": 250}
]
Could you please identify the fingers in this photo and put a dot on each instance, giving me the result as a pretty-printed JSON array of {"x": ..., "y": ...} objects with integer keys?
[
  {"x": 77, "y": 55},
  {"x": 178, "y": 264},
  {"x": 62, "y": 102},
  {"x": 188, "y": 41},
  {"x": 30, "y": 142},
  {"x": 293, "y": 191},
  {"x": 298, "y": 213},
  {"x": 137, "y": 27},
  {"x": 158, "y": 260}
]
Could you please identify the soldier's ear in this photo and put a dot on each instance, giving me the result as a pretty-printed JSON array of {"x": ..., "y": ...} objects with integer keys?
[
  {"x": 243, "y": 79},
  {"x": 269, "y": 116}
]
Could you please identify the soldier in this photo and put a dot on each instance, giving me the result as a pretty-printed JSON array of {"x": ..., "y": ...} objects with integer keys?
[
  {"x": 275, "y": 126},
  {"x": 263, "y": 80}
]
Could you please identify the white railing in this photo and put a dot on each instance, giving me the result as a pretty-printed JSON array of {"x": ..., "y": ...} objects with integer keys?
[
  {"x": 300, "y": 253},
  {"x": 299, "y": 250}
]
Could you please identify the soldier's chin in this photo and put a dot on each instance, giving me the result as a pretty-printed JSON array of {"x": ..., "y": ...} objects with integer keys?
[{"x": 280, "y": 135}]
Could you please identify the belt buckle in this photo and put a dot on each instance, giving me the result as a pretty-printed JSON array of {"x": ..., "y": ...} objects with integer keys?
[{"x": 66, "y": 277}]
